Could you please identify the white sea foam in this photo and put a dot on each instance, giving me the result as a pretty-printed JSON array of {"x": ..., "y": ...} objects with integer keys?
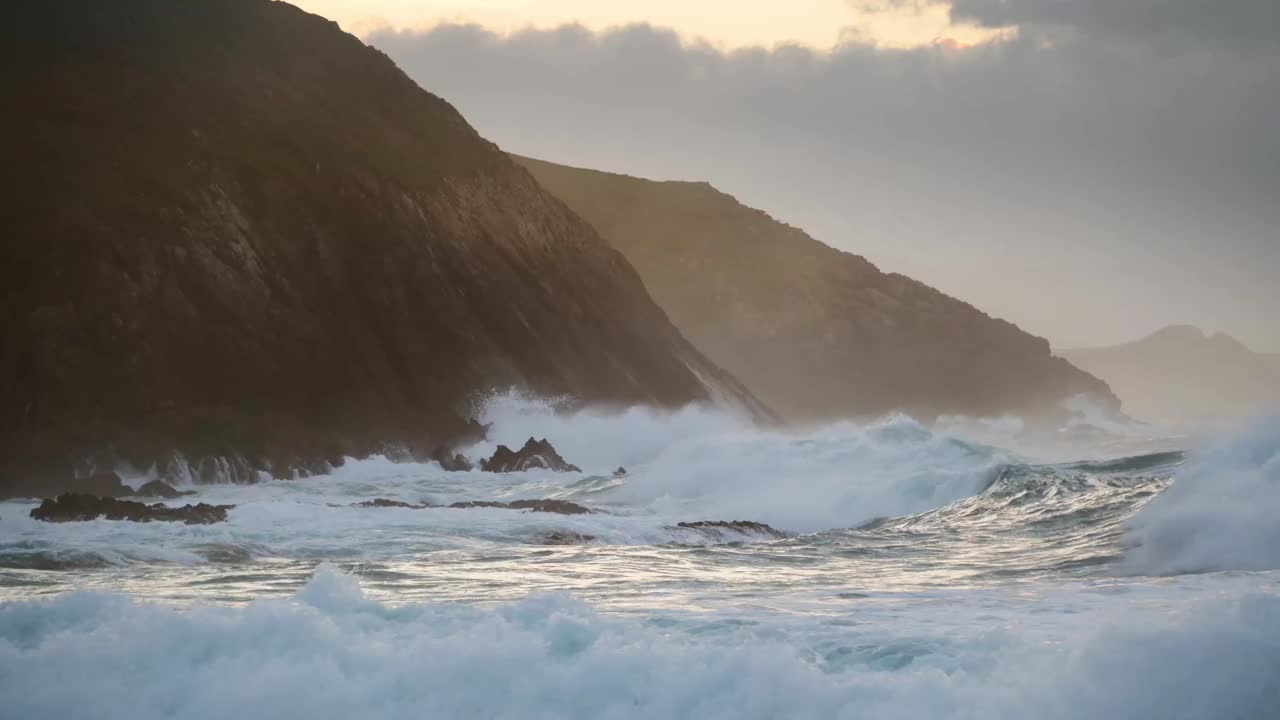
[
  {"x": 1221, "y": 513},
  {"x": 703, "y": 464},
  {"x": 599, "y": 440},
  {"x": 330, "y": 652},
  {"x": 839, "y": 476}
]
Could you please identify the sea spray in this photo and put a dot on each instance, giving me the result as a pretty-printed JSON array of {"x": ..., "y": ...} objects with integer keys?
[{"x": 1221, "y": 513}]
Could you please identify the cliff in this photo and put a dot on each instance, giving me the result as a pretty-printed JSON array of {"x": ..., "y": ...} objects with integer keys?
[
  {"x": 1184, "y": 379},
  {"x": 817, "y": 333},
  {"x": 238, "y": 239}
]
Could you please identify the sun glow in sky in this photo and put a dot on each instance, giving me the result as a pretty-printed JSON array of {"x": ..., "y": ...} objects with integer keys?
[{"x": 724, "y": 23}]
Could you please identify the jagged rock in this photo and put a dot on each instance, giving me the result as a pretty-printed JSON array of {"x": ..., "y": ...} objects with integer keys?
[
  {"x": 565, "y": 537},
  {"x": 160, "y": 488},
  {"x": 385, "y": 503},
  {"x": 562, "y": 507},
  {"x": 535, "y": 454},
  {"x": 740, "y": 526},
  {"x": 77, "y": 507}
]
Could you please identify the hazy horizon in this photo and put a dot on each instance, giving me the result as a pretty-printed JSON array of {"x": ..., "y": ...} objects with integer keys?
[{"x": 1091, "y": 173}]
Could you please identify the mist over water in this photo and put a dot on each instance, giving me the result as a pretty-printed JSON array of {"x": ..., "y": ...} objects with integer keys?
[{"x": 920, "y": 575}]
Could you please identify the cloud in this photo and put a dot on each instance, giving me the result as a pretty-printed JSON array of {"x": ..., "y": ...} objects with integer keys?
[
  {"x": 1245, "y": 25},
  {"x": 1021, "y": 105},
  {"x": 1050, "y": 178}
]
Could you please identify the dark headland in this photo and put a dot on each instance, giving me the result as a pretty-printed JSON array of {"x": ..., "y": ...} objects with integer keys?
[{"x": 237, "y": 239}]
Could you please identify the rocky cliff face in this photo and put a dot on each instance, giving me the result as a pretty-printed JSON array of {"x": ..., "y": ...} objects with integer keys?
[
  {"x": 815, "y": 332},
  {"x": 236, "y": 232}
]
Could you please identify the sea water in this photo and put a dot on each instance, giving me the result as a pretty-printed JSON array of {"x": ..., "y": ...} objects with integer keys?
[{"x": 921, "y": 575}]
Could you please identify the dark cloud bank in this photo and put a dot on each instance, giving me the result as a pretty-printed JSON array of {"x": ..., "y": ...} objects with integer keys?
[{"x": 1112, "y": 167}]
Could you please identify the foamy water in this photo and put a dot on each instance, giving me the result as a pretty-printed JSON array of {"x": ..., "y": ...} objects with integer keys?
[{"x": 921, "y": 576}]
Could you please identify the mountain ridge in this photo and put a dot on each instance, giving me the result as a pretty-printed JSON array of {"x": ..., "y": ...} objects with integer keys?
[{"x": 1185, "y": 378}]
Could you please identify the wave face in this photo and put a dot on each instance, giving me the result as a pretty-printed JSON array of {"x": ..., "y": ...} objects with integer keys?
[{"x": 903, "y": 572}]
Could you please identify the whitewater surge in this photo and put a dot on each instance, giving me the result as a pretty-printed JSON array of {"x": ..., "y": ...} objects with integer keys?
[
  {"x": 330, "y": 652},
  {"x": 700, "y": 463},
  {"x": 913, "y": 574},
  {"x": 1223, "y": 513}
]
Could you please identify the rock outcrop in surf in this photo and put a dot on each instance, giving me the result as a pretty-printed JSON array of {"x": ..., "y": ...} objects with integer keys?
[
  {"x": 535, "y": 455},
  {"x": 80, "y": 507},
  {"x": 240, "y": 241},
  {"x": 560, "y": 507},
  {"x": 720, "y": 529},
  {"x": 817, "y": 333}
]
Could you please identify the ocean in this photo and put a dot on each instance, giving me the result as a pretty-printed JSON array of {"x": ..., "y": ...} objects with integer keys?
[{"x": 964, "y": 571}]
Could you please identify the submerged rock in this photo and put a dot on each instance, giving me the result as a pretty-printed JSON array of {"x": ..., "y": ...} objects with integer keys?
[
  {"x": 562, "y": 507},
  {"x": 160, "y": 488},
  {"x": 565, "y": 537},
  {"x": 77, "y": 507},
  {"x": 385, "y": 503},
  {"x": 536, "y": 454},
  {"x": 718, "y": 527}
]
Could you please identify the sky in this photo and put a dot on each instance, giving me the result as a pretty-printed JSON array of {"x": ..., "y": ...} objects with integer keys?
[
  {"x": 1091, "y": 170},
  {"x": 727, "y": 24}
]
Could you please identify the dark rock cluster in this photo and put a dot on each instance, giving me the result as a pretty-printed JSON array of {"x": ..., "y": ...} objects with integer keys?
[
  {"x": 560, "y": 507},
  {"x": 536, "y": 454},
  {"x": 719, "y": 527},
  {"x": 78, "y": 507},
  {"x": 385, "y": 503}
]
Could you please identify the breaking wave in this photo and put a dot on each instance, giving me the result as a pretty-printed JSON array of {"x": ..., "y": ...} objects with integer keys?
[
  {"x": 1222, "y": 513},
  {"x": 331, "y": 652},
  {"x": 700, "y": 463}
]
